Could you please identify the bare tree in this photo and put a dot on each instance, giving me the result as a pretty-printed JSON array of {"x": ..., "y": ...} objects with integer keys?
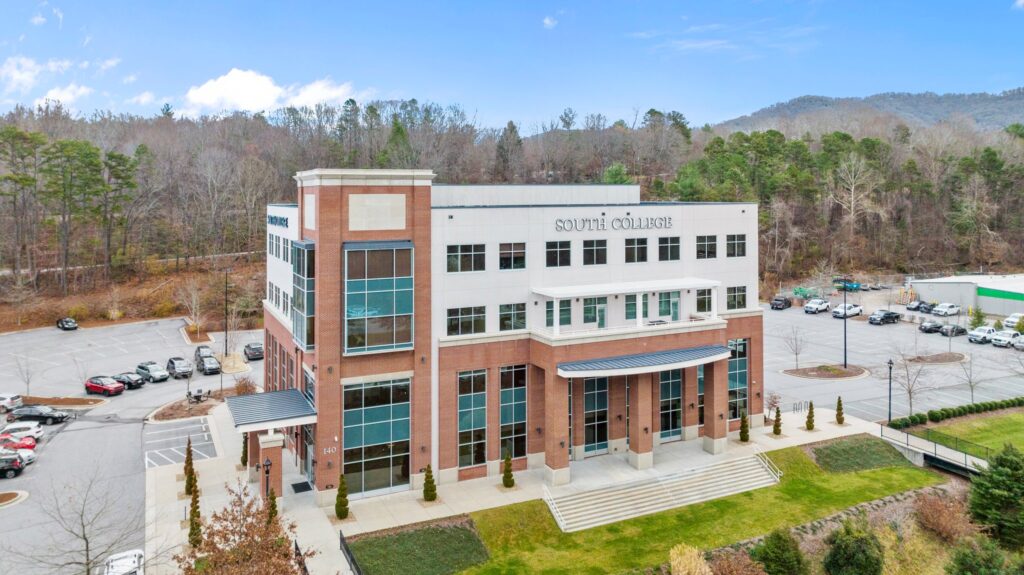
[
  {"x": 908, "y": 375},
  {"x": 190, "y": 297},
  {"x": 20, "y": 295},
  {"x": 234, "y": 324},
  {"x": 25, "y": 371},
  {"x": 968, "y": 376},
  {"x": 795, "y": 341},
  {"x": 852, "y": 186}
]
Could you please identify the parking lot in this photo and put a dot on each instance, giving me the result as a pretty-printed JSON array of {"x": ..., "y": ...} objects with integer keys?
[
  {"x": 871, "y": 346},
  {"x": 111, "y": 440}
]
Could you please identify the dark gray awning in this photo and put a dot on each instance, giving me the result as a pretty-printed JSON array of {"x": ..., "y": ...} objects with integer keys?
[
  {"x": 643, "y": 362},
  {"x": 381, "y": 245},
  {"x": 271, "y": 410}
]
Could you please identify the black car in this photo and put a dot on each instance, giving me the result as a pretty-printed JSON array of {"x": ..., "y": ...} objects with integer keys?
[
  {"x": 208, "y": 366},
  {"x": 931, "y": 326},
  {"x": 925, "y": 307},
  {"x": 950, "y": 330},
  {"x": 179, "y": 367},
  {"x": 41, "y": 413},
  {"x": 884, "y": 316},
  {"x": 912, "y": 306},
  {"x": 201, "y": 352},
  {"x": 253, "y": 351},
  {"x": 67, "y": 324},
  {"x": 130, "y": 380},
  {"x": 11, "y": 465},
  {"x": 781, "y": 302}
]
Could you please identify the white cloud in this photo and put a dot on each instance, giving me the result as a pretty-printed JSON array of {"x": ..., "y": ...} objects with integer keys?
[
  {"x": 19, "y": 74},
  {"x": 251, "y": 91},
  {"x": 1018, "y": 4},
  {"x": 701, "y": 45},
  {"x": 644, "y": 34},
  {"x": 549, "y": 22},
  {"x": 84, "y": 64},
  {"x": 66, "y": 95},
  {"x": 108, "y": 64},
  {"x": 129, "y": 79},
  {"x": 320, "y": 91},
  {"x": 37, "y": 20},
  {"x": 697, "y": 29},
  {"x": 58, "y": 66},
  {"x": 60, "y": 17},
  {"x": 141, "y": 99},
  {"x": 86, "y": 41}
]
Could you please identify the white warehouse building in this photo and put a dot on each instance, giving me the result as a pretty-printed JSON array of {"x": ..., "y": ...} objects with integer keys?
[{"x": 999, "y": 295}]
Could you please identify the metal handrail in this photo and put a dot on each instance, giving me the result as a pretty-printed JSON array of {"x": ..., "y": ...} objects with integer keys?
[
  {"x": 554, "y": 508},
  {"x": 348, "y": 554},
  {"x": 902, "y": 437},
  {"x": 768, "y": 464}
]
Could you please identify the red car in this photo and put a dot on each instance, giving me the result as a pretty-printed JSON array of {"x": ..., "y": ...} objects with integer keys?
[
  {"x": 103, "y": 385},
  {"x": 8, "y": 441}
]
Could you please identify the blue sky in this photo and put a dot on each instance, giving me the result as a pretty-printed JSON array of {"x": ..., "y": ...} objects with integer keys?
[{"x": 524, "y": 61}]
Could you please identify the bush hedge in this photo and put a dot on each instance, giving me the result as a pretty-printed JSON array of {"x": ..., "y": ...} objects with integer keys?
[{"x": 937, "y": 415}]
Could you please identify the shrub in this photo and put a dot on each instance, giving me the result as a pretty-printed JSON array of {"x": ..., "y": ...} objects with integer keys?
[
  {"x": 810, "y": 417},
  {"x": 686, "y": 560},
  {"x": 735, "y": 563},
  {"x": 341, "y": 499},
  {"x": 429, "y": 488},
  {"x": 195, "y": 528},
  {"x": 245, "y": 449},
  {"x": 744, "y": 427},
  {"x": 933, "y": 416},
  {"x": 977, "y": 318},
  {"x": 271, "y": 506},
  {"x": 854, "y": 550},
  {"x": 777, "y": 425},
  {"x": 190, "y": 472},
  {"x": 944, "y": 516},
  {"x": 840, "y": 417},
  {"x": 79, "y": 312},
  {"x": 998, "y": 325},
  {"x": 996, "y": 495},
  {"x": 978, "y": 556},
  {"x": 164, "y": 308},
  {"x": 244, "y": 385},
  {"x": 780, "y": 554},
  {"x": 506, "y": 476},
  {"x": 921, "y": 419}
]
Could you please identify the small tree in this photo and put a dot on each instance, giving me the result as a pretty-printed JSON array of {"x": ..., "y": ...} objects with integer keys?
[
  {"x": 998, "y": 325},
  {"x": 195, "y": 526},
  {"x": 810, "y": 417},
  {"x": 840, "y": 418},
  {"x": 854, "y": 550},
  {"x": 996, "y": 496},
  {"x": 977, "y": 556},
  {"x": 977, "y": 318},
  {"x": 795, "y": 341},
  {"x": 687, "y": 560},
  {"x": 780, "y": 554},
  {"x": 744, "y": 427},
  {"x": 245, "y": 449},
  {"x": 506, "y": 477},
  {"x": 777, "y": 426},
  {"x": 190, "y": 472},
  {"x": 271, "y": 506},
  {"x": 341, "y": 499},
  {"x": 616, "y": 174},
  {"x": 429, "y": 489}
]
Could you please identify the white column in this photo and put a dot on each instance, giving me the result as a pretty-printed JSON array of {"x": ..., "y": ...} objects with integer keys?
[
  {"x": 555, "y": 308},
  {"x": 640, "y": 309}
]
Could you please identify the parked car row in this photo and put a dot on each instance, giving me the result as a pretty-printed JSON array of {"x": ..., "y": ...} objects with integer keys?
[
  {"x": 19, "y": 439},
  {"x": 998, "y": 338},
  {"x": 940, "y": 309}
]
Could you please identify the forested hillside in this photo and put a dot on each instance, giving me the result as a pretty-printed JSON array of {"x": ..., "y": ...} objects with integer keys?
[{"x": 111, "y": 192}]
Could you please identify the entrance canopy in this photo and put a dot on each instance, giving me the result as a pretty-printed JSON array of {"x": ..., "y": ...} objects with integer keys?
[
  {"x": 643, "y": 362},
  {"x": 272, "y": 410},
  {"x": 630, "y": 287}
]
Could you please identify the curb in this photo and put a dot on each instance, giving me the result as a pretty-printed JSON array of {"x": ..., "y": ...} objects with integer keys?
[
  {"x": 20, "y": 496},
  {"x": 866, "y": 373}
]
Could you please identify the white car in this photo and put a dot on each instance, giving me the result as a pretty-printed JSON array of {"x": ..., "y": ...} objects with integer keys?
[
  {"x": 126, "y": 563},
  {"x": 946, "y": 309},
  {"x": 27, "y": 455},
  {"x": 21, "y": 429},
  {"x": 1018, "y": 344},
  {"x": 9, "y": 401},
  {"x": 981, "y": 334},
  {"x": 1011, "y": 320},
  {"x": 847, "y": 310},
  {"x": 1005, "y": 338},
  {"x": 816, "y": 305}
]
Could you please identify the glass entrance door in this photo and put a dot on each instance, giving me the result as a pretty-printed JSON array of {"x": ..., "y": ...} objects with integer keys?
[
  {"x": 595, "y": 413},
  {"x": 602, "y": 309},
  {"x": 307, "y": 463}
]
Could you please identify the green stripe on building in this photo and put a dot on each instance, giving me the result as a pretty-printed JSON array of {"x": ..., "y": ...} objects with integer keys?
[{"x": 1000, "y": 294}]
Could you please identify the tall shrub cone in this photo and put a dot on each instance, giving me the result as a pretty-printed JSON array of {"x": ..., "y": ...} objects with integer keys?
[
  {"x": 245, "y": 450},
  {"x": 744, "y": 427},
  {"x": 341, "y": 500},
  {"x": 810, "y": 417},
  {"x": 506, "y": 477},
  {"x": 195, "y": 527},
  {"x": 840, "y": 418},
  {"x": 190, "y": 479},
  {"x": 777, "y": 426},
  {"x": 429, "y": 489},
  {"x": 271, "y": 506}
]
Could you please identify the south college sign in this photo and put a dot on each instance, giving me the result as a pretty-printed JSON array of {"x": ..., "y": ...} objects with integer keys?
[{"x": 618, "y": 223}]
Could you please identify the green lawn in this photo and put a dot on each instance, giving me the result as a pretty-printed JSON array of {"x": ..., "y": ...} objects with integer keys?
[
  {"x": 427, "y": 551},
  {"x": 856, "y": 454},
  {"x": 990, "y": 431},
  {"x": 523, "y": 538}
]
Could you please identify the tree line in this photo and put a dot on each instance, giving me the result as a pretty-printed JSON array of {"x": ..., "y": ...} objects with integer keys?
[{"x": 97, "y": 196}]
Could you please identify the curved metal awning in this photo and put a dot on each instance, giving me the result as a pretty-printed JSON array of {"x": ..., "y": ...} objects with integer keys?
[
  {"x": 643, "y": 362},
  {"x": 271, "y": 410}
]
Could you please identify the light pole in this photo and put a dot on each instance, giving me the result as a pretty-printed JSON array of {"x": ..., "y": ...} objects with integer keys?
[
  {"x": 224, "y": 359},
  {"x": 890, "y": 390},
  {"x": 266, "y": 474},
  {"x": 846, "y": 313}
]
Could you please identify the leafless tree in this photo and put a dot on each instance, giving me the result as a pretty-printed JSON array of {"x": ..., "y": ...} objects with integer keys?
[
  {"x": 234, "y": 324},
  {"x": 853, "y": 184},
  {"x": 190, "y": 297},
  {"x": 908, "y": 375},
  {"x": 795, "y": 341},
  {"x": 968, "y": 375},
  {"x": 26, "y": 372}
]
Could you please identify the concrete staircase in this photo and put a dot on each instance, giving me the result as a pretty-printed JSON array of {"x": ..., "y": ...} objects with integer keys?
[{"x": 586, "y": 509}]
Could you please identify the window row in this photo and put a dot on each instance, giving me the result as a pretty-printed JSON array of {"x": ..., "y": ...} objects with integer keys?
[
  {"x": 279, "y": 298},
  {"x": 472, "y": 414},
  {"x": 735, "y": 246},
  {"x": 278, "y": 247}
]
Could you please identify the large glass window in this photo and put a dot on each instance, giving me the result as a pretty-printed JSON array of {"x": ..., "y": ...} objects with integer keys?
[
  {"x": 735, "y": 245},
  {"x": 738, "y": 378},
  {"x": 303, "y": 293},
  {"x": 595, "y": 414},
  {"x": 707, "y": 247},
  {"x": 668, "y": 249},
  {"x": 671, "y": 403},
  {"x": 736, "y": 297},
  {"x": 595, "y": 252},
  {"x": 308, "y": 385},
  {"x": 668, "y": 304},
  {"x": 636, "y": 250},
  {"x": 513, "y": 410},
  {"x": 376, "y": 435},
  {"x": 466, "y": 258},
  {"x": 512, "y": 256},
  {"x": 592, "y": 308},
  {"x": 704, "y": 301},
  {"x": 700, "y": 395},
  {"x": 511, "y": 316},
  {"x": 564, "y": 312},
  {"x": 472, "y": 417},
  {"x": 378, "y": 299},
  {"x": 631, "y": 306},
  {"x": 558, "y": 254},
  {"x": 466, "y": 320}
]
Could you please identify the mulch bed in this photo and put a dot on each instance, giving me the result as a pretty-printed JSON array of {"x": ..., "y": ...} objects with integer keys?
[
  {"x": 827, "y": 372},
  {"x": 944, "y": 357},
  {"x": 181, "y": 409},
  {"x": 61, "y": 401},
  {"x": 7, "y": 496},
  {"x": 202, "y": 337}
]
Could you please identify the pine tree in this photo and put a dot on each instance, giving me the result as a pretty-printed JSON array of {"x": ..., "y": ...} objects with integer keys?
[
  {"x": 977, "y": 318},
  {"x": 777, "y": 426},
  {"x": 190, "y": 471},
  {"x": 429, "y": 489},
  {"x": 744, "y": 427},
  {"x": 810, "y": 417},
  {"x": 245, "y": 450},
  {"x": 996, "y": 493},
  {"x": 271, "y": 506},
  {"x": 195, "y": 528},
  {"x": 840, "y": 418},
  {"x": 506, "y": 478},
  {"x": 341, "y": 500}
]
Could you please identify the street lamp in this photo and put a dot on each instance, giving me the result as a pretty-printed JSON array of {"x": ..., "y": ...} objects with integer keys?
[
  {"x": 224, "y": 359},
  {"x": 266, "y": 471},
  {"x": 890, "y": 389}
]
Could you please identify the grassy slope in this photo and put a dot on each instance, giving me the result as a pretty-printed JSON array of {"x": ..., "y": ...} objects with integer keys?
[
  {"x": 523, "y": 538},
  {"x": 857, "y": 453},
  {"x": 992, "y": 432},
  {"x": 429, "y": 551}
]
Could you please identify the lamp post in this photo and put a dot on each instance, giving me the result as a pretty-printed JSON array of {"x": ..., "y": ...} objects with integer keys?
[
  {"x": 224, "y": 359},
  {"x": 890, "y": 389},
  {"x": 846, "y": 314},
  {"x": 266, "y": 475}
]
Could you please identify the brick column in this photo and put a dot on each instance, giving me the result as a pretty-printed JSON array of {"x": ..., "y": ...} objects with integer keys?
[
  {"x": 579, "y": 434},
  {"x": 716, "y": 406},
  {"x": 691, "y": 420},
  {"x": 535, "y": 417},
  {"x": 641, "y": 434},
  {"x": 270, "y": 448},
  {"x": 253, "y": 447},
  {"x": 494, "y": 454},
  {"x": 556, "y": 429},
  {"x": 616, "y": 414}
]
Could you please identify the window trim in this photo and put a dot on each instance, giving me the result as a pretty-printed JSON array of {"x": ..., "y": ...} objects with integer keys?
[
  {"x": 668, "y": 243},
  {"x": 732, "y": 294},
  {"x": 503, "y": 310},
  {"x": 512, "y": 255},
  {"x": 472, "y": 373},
  {"x": 559, "y": 251},
  {"x": 710, "y": 247},
  {"x": 639, "y": 245},
  {"x": 731, "y": 245},
  {"x": 459, "y": 255},
  {"x": 598, "y": 250},
  {"x": 461, "y": 316}
]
